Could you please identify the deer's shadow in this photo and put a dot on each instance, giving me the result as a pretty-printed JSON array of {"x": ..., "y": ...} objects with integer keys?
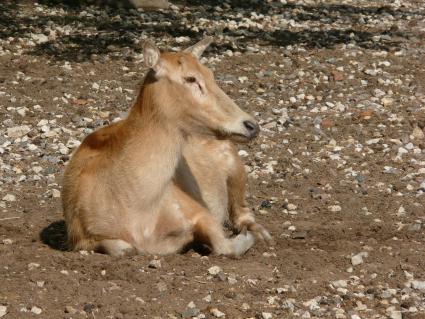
[{"x": 54, "y": 235}]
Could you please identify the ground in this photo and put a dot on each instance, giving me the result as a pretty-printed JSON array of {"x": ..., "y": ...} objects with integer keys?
[{"x": 337, "y": 174}]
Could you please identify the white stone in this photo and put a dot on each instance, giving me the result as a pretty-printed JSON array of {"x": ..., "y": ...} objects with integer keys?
[
  {"x": 418, "y": 134},
  {"x": 339, "y": 283},
  {"x": 217, "y": 313},
  {"x": 36, "y": 310},
  {"x": 18, "y": 131},
  {"x": 386, "y": 101},
  {"x": 56, "y": 193},
  {"x": 335, "y": 208},
  {"x": 3, "y": 311},
  {"x": 266, "y": 315},
  {"x": 39, "y": 38},
  {"x": 395, "y": 314},
  {"x": 214, "y": 270},
  {"x": 243, "y": 153},
  {"x": 418, "y": 284},
  {"x": 292, "y": 207},
  {"x": 357, "y": 260},
  {"x": 9, "y": 198}
]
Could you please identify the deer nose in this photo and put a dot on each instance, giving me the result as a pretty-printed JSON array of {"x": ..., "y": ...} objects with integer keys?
[{"x": 252, "y": 128}]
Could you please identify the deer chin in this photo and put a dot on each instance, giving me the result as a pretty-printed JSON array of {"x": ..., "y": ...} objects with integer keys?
[
  {"x": 233, "y": 136},
  {"x": 240, "y": 138}
]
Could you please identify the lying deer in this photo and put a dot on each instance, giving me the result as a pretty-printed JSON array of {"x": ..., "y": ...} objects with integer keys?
[{"x": 167, "y": 175}]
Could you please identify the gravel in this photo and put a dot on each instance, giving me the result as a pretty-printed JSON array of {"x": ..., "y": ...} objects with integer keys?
[{"x": 337, "y": 174}]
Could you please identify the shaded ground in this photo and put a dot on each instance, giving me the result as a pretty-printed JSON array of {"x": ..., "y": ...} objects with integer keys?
[{"x": 338, "y": 171}]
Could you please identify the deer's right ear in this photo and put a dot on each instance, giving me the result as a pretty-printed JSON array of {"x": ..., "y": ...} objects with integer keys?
[{"x": 151, "y": 55}]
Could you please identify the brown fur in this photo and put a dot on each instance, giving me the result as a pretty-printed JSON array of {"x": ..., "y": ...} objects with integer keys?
[{"x": 160, "y": 178}]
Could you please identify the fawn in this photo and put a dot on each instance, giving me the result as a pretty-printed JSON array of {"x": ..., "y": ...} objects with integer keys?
[{"x": 167, "y": 175}]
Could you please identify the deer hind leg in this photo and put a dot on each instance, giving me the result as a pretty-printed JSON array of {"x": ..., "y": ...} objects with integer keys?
[
  {"x": 116, "y": 247},
  {"x": 240, "y": 215}
]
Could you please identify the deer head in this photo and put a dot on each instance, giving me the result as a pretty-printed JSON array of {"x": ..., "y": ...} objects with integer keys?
[{"x": 198, "y": 103}]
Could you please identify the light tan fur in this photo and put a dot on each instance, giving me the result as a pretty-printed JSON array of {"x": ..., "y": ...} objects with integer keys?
[{"x": 168, "y": 174}]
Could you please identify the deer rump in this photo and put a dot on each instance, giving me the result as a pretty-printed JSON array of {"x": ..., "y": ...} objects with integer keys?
[{"x": 167, "y": 175}]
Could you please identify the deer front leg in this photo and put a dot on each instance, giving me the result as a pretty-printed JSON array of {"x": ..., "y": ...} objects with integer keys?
[
  {"x": 210, "y": 232},
  {"x": 240, "y": 215}
]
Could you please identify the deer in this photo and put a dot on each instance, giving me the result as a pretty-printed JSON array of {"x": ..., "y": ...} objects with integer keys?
[{"x": 167, "y": 175}]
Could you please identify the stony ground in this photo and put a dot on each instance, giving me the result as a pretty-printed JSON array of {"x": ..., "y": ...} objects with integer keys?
[{"x": 337, "y": 175}]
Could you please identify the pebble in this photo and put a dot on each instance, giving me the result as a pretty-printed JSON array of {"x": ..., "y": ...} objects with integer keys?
[
  {"x": 395, "y": 314},
  {"x": 32, "y": 266},
  {"x": 386, "y": 101},
  {"x": 339, "y": 284},
  {"x": 18, "y": 131},
  {"x": 292, "y": 207},
  {"x": 337, "y": 108},
  {"x": 214, "y": 270},
  {"x": 217, "y": 313},
  {"x": 357, "y": 260},
  {"x": 266, "y": 315},
  {"x": 155, "y": 263},
  {"x": 9, "y": 198},
  {"x": 71, "y": 310},
  {"x": 335, "y": 208},
  {"x": 36, "y": 310},
  {"x": 418, "y": 284},
  {"x": 3, "y": 311}
]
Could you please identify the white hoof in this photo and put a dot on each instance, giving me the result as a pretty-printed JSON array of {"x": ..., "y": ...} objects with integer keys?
[{"x": 242, "y": 242}]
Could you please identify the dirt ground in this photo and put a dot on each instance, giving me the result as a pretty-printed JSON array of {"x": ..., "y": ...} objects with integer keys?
[{"x": 337, "y": 175}]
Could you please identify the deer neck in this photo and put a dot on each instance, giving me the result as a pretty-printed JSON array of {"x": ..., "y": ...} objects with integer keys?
[{"x": 156, "y": 140}]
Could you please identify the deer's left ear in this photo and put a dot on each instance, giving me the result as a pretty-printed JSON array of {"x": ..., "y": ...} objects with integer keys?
[
  {"x": 199, "y": 48},
  {"x": 151, "y": 54},
  {"x": 152, "y": 58}
]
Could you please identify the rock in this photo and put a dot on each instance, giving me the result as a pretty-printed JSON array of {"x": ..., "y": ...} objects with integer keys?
[
  {"x": 190, "y": 311},
  {"x": 39, "y": 38},
  {"x": 56, "y": 193},
  {"x": 245, "y": 307},
  {"x": 155, "y": 263},
  {"x": 356, "y": 260},
  {"x": 339, "y": 284},
  {"x": 243, "y": 153},
  {"x": 162, "y": 286},
  {"x": 214, "y": 270},
  {"x": 299, "y": 235},
  {"x": 395, "y": 314},
  {"x": 337, "y": 76},
  {"x": 9, "y": 198},
  {"x": 418, "y": 134},
  {"x": 266, "y": 315},
  {"x": 327, "y": 123},
  {"x": 335, "y": 208},
  {"x": 36, "y": 310},
  {"x": 3, "y": 311},
  {"x": 217, "y": 313},
  {"x": 292, "y": 207},
  {"x": 386, "y": 101},
  {"x": 418, "y": 284},
  {"x": 89, "y": 308},
  {"x": 71, "y": 310},
  {"x": 18, "y": 131},
  {"x": 150, "y": 4},
  {"x": 32, "y": 266}
]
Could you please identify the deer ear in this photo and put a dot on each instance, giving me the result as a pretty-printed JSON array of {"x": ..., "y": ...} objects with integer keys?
[
  {"x": 151, "y": 54},
  {"x": 199, "y": 48}
]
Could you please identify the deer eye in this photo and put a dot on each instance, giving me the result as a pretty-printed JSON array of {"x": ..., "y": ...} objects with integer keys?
[{"x": 190, "y": 79}]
